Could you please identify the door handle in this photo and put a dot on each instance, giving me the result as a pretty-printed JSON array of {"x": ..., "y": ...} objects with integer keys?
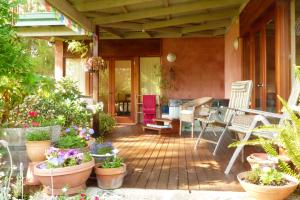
[{"x": 260, "y": 85}]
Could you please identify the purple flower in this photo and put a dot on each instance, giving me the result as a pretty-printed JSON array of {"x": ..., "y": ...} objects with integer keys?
[
  {"x": 67, "y": 130},
  {"x": 87, "y": 137},
  {"x": 56, "y": 161},
  {"x": 70, "y": 153},
  {"x": 52, "y": 150},
  {"x": 91, "y": 131},
  {"x": 75, "y": 127},
  {"x": 82, "y": 131}
]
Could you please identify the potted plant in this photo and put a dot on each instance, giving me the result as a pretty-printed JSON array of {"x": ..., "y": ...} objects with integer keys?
[
  {"x": 102, "y": 150},
  {"x": 267, "y": 183},
  {"x": 64, "y": 168},
  {"x": 37, "y": 142},
  {"x": 110, "y": 174},
  {"x": 75, "y": 138},
  {"x": 106, "y": 123}
]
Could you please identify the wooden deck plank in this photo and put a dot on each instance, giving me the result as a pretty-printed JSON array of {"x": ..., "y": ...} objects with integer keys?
[
  {"x": 145, "y": 175},
  {"x": 166, "y": 166},
  {"x": 170, "y": 162},
  {"x": 154, "y": 176},
  {"x": 183, "y": 175}
]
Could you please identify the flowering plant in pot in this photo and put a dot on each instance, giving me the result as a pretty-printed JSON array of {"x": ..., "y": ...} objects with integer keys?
[
  {"x": 267, "y": 183},
  {"x": 75, "y": 138},
  {"x": 37, "y": 142},
  {"x": 102, "y": 150},
  {"x": 63, "y": 168},
  {"x": 110, "y": 174}
]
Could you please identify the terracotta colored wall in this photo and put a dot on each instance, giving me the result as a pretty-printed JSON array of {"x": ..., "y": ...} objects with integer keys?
[
  {"x": 199, "y": 67},
  {"x": 233, "y": 58}
]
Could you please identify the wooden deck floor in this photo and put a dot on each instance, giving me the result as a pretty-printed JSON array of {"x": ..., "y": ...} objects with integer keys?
[{"x": 169, "y": 162}]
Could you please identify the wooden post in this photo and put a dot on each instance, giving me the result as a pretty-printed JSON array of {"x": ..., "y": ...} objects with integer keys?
[
  {"x": 95, "y": 84},
  {"x": 95, "y": 80},
  {"x": 59, "y": 60},
  {"x": 282, "y": 49}
]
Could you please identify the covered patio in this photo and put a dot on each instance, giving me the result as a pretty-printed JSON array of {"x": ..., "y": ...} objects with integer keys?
[{"x": 174, "y": 51}]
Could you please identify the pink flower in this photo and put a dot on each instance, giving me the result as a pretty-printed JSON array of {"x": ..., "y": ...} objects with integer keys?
[
  {"x": 25, "y": 126},
  {"x": 32, "y": 113},
  {"x": 35, "y": 124}
]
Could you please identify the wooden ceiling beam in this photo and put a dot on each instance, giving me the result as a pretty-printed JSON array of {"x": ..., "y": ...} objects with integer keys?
[
  {"x": 124, "y": 25},
  {"x": 155, "y": 12},
  {"x": 207, "y": 26},
  {"x": 66, "y": 8},
  {"x": 112, "y": 31},
  {"x": 229, "y": 13},
  {"x": 105, "y": 4}
]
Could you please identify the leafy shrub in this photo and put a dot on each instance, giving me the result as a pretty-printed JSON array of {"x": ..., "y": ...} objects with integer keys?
[
  {"x": 266, "y": 176},
  {"x": 112, "y": 163},
  {"x": 71, "y": 141},
  {"x": 37, "y": 136},
  {"x": 106, "y": 123}
]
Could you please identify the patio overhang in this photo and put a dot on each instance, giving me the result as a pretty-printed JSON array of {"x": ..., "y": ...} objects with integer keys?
[{"x": 128, "y": 19}]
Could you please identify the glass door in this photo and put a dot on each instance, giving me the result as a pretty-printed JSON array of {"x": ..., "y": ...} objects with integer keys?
[{"x": 122, "y": 87}]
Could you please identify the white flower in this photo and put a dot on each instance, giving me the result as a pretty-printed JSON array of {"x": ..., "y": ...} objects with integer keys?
[
  {"x": 64, "y": 189},
  {"x": 266, "y": 169}
]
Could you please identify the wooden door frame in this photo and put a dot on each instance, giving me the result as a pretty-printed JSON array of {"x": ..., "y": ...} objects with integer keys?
[
  {"x": 134, "y": 87},
  {"x": 260, "y": 26}
]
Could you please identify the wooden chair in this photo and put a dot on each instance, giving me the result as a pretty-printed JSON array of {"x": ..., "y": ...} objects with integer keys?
[
  {"x": 246, "y": 124},
  {"x": 239, "y": 98},
  {"x": 190, "y": 110}
]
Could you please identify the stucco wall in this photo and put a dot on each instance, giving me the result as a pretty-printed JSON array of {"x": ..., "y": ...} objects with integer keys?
[
  {"x": 233, "y": 57},
  {"x": 199, "y": 67}
]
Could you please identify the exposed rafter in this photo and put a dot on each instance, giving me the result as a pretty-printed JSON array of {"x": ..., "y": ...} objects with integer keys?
[
  {"x": 125, "y": 10},
  {"x": 66, "y": 8},
  {"x": 155, "y": 12},
  {"x": 104, "y": 4},
  {"x": 124, "y": 25},
  {"x": 191, "y": 19},
  {"x": 207, "y": 26},
  {"x": 112, "y": 31}
]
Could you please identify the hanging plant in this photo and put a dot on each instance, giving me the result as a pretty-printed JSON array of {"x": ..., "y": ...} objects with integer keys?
[{"x": 94, "y": 64}]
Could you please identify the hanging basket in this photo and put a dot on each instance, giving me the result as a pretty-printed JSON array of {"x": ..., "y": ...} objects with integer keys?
[{"x": 94, "y": 64}]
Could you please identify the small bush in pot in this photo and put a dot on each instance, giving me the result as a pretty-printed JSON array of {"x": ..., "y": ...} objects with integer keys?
[
  {"x": 70, "y": 168},
  {"x": 267, "y": 183},
  {"x": 75, "y": 138},
  {"x": 102, "y": 150},
  {"x": 110, "y": 174},
  {"x": 37, "y": 142}
]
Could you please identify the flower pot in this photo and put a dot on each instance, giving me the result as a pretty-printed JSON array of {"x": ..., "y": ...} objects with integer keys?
[
  {"x": 31, "y": 179},
  {"x": 73, "y": 177},
  {"x": 16, "y": 141},
  {"x": 110, "y": 178},
  {"x": 261, "y": 192},
  {"x": 36, "y": 150},
  {"x": 263, "y": 160}
]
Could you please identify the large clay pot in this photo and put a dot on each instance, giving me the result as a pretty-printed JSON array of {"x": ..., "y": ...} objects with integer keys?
[
  {"x": 16, "y": 141},
  {"x": 36, "y": 150},
  {"x": 263, "y": 160},
  {"x": 110, "y": 178},
  {"x": 73, "y": 177},
  {"x": 260, "y": 192}
]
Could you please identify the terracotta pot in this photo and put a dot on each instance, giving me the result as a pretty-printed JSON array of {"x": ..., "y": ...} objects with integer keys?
[
  {"x": 31, "y": 179},
  {"x": 110, "y": 178},
  {"x": 36, "y": 150},
  {"x": 260, "y": 192},
  {"x": 73, "y": 177},
  {"x": 263, "y": 160}
]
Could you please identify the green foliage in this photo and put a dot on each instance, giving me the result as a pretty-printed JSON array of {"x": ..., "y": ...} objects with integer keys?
[
  {"x": 77, "y": 47},
  {"x": 112, "y": 162},
  {"x": 265, "y": 177},
  {"x": 106, "y": 123},
  {"x": 37, "y": 136},
  {"x": 105, "y": 149},
  {"x": 71, "y": 141}
]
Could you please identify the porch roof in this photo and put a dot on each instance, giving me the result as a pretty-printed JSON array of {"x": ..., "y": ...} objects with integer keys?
[{"x": 126, "y": 19}]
